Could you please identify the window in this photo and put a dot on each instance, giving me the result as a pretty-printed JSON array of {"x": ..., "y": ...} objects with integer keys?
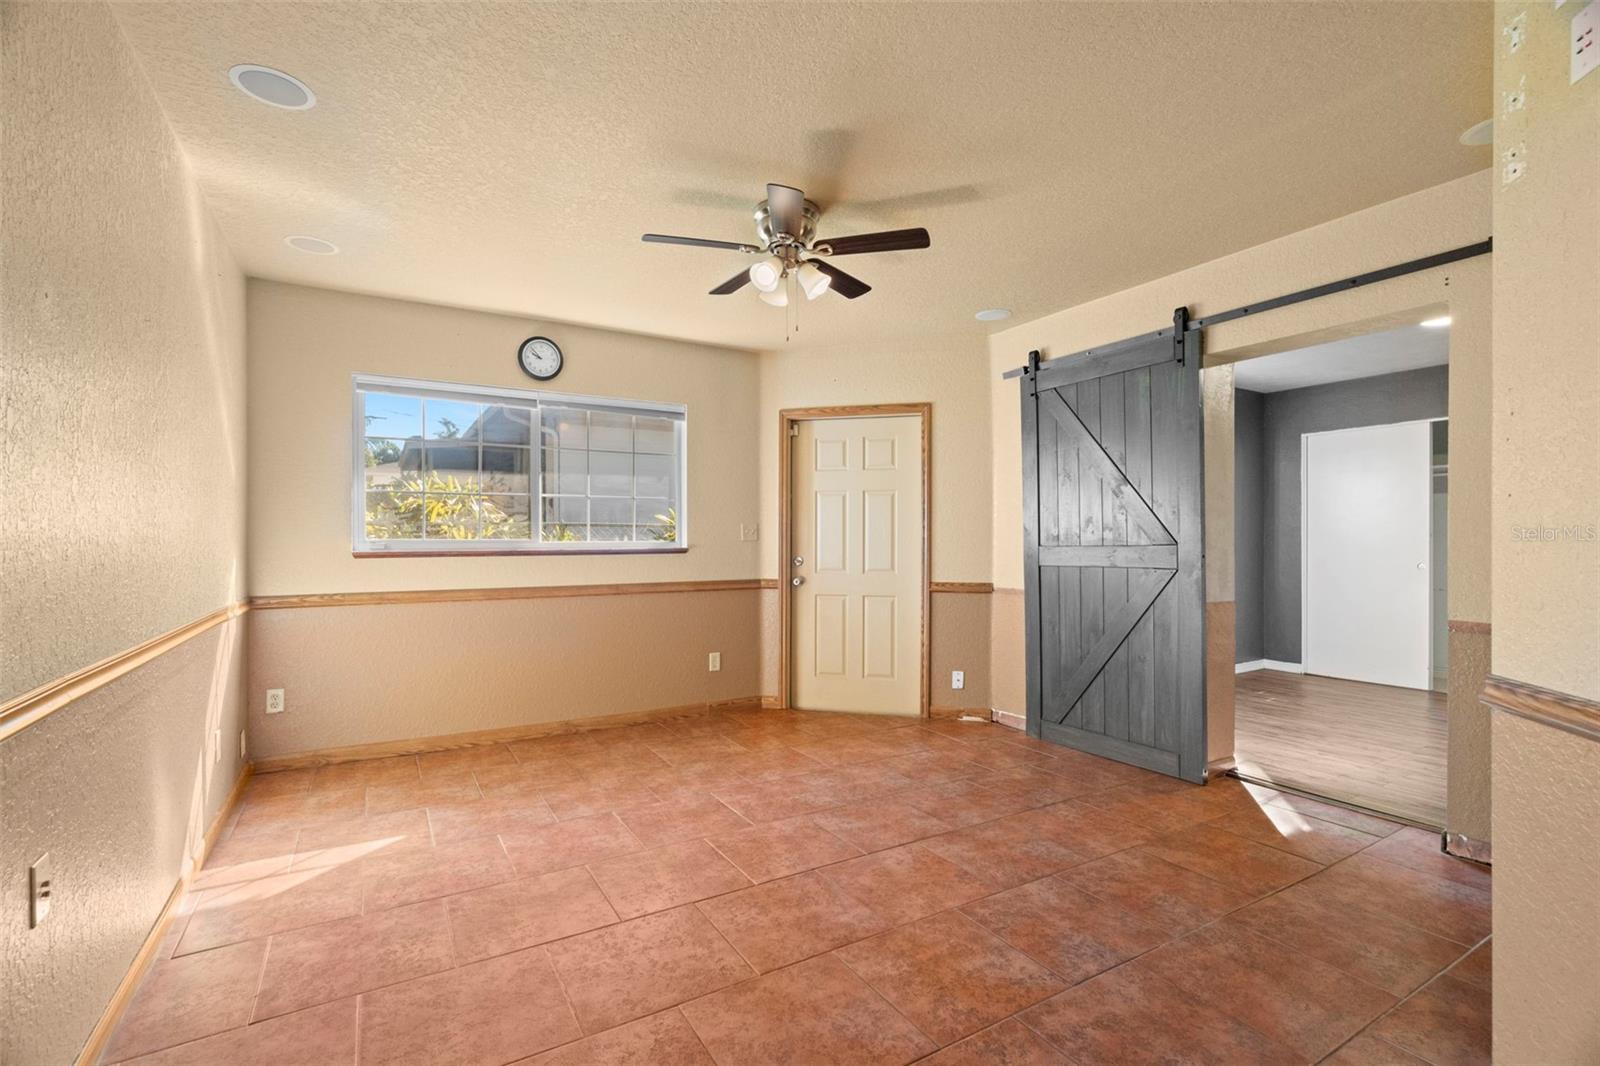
[{"x": 452, "y": 468}]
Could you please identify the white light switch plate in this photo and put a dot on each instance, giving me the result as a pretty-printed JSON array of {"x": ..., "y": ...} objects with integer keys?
[
  {"x": 1585, "y": 40},
  {"x": 714, "y": 661}
]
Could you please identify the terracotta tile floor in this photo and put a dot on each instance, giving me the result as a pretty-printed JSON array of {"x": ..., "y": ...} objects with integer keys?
[{"x": 784, "y": 887}]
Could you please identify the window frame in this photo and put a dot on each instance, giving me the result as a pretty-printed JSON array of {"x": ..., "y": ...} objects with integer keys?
[{"x": 362, "y": 547}]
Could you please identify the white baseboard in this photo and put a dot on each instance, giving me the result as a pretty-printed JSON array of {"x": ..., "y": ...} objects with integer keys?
[{"x": 1267, "y": 664}]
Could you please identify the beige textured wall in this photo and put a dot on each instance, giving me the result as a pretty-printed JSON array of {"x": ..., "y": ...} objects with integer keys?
[
  {"x": 1547, "y": 604},
  {"x": 1432, "y": 220},
  {"x": 306, "y": 343},
  {"x": 122, "y": 347},
  {"x": 365, "y": 674},
  {"x": 123, "y": 378},
  {"x": 950, "y": 373},
  {"x": 1547, "y": 354}
]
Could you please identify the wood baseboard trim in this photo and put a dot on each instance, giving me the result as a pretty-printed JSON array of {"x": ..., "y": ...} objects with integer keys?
[
  {"x": 1547, "y": 706},
  {"x": 1463, "y": 625},
  {"x": 95, "y": 1046},
  {"x": 978, "y": 587},
  {"x": 20, "y": 712},
  {"x": 478, "y": 738},
  {"x": 530, "y": 592}
]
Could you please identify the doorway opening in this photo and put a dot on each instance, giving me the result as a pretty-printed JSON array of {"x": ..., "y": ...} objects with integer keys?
[
  {"x": 853, "y": 527},
  {"x": 1340, "y": 532}
]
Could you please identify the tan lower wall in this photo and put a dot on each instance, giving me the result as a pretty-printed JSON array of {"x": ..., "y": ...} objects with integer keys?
[
  {"x": 1008, "y": 669},
  {"x": 118, "y": 787},
  {"x": 1219, "y": 680},
  {"x": 397, "y": 671},
  {"x": 1468, "y": 759},
  {"x": 1546, "y": 914},
  {"x": 960, "y": 635}
]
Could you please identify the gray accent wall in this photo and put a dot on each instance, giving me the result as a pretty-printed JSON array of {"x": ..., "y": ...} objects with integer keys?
[{"x": 1267, "y": 430}]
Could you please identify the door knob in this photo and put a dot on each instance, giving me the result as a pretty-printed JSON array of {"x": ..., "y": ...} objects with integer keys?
[{"x": 797, "y": 581}]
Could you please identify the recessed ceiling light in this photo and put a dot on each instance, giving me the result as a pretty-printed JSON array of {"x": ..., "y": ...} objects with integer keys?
[
  {"x": 273, "y": 87},
  {"x": 313, "y": 245},
  {"x": 1482, "y": 133},
  {"x": 1435, "y": 323},
  {"x": 993, "y": 314}
]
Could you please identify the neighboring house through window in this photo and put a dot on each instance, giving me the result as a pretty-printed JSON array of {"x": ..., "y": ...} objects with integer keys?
[{"x": 443, "y": 467}]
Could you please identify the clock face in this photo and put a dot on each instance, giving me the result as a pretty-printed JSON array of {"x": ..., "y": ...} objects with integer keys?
[{"x": 539, "y": 358}]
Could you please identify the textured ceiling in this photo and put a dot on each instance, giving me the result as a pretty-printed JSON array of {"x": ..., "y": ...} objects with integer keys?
[
  {"x": 508, "y": 156},
  {"x": 1369, "y": 355}
]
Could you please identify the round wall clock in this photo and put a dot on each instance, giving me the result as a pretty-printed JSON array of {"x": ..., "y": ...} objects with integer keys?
[{"x": 539, "y": 357}]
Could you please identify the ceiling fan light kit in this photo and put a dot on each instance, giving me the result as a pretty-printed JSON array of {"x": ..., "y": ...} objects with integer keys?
[
  {"x": 767, "y": 274},
  {"x": 813, "y": 282},
  {"x": 786, "y": 223}
]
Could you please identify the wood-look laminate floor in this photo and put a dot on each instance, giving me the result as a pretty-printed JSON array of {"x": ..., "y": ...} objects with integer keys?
[{"x": 1375, "y": 746}]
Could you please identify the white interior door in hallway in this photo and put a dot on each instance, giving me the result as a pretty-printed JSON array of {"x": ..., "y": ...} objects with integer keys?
[
  {"x": 1367, "y": 497},
  {"x": 856, "y": 564}
]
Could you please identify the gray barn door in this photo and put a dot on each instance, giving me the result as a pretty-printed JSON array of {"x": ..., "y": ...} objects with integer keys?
[{"x": 1114, "y": 551}]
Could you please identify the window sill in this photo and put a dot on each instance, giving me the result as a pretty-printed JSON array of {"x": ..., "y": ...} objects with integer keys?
[{"x": 410, "y": 553}]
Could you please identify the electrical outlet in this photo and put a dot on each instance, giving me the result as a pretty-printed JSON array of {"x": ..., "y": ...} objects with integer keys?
[
  {"x": 749, "y": 532},
  {"x": 40, "y": 890},
  {"x": 958, "y": 679},
  {"x": 274, "y": 701},
  {"x": 714, "y": 661}
]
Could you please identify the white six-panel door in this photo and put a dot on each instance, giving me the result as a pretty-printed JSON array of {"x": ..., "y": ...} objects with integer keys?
[
  {"x": 856, "y": 539},
  {"x": 1367, "y": 589}
]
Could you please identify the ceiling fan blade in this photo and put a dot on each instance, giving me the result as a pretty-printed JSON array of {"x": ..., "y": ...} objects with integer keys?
[
  {"x": 733, "y": 284},
  {"x": 786, "y": 208},
  {"x": 698, "y": 242},
  {"x": 893, "y": 240},
  {"x": 843, "y": 284}
]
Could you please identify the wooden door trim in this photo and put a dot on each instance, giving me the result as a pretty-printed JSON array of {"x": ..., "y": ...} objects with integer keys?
[{"x": 787, "y": 418}]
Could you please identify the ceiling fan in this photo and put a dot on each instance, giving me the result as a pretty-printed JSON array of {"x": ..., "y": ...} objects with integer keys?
[{"x": 786, "y": 223}]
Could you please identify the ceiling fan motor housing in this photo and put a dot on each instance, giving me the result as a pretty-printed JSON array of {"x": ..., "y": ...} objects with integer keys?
[{"x": 808, "y": 231}]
